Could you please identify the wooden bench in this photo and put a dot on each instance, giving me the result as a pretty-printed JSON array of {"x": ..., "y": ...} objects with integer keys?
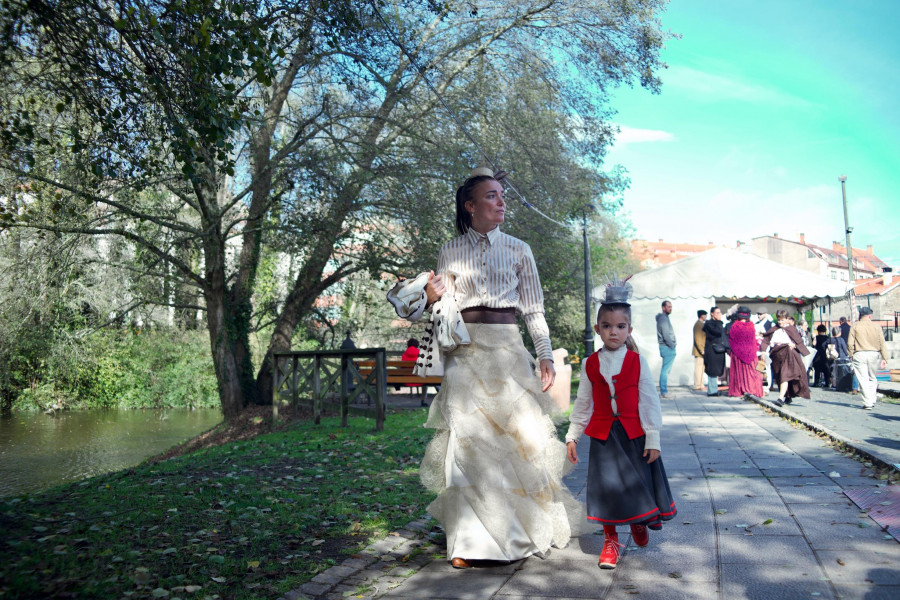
[{"x": 400, "y": 372}]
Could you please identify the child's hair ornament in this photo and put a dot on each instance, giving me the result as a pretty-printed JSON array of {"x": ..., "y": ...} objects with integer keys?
[{"x": 617, "y": 291}]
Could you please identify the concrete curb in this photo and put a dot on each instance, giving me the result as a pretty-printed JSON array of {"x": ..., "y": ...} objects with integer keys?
[
  {"x": 812, "y": 425},
  {"x": 381, "y": 566}
]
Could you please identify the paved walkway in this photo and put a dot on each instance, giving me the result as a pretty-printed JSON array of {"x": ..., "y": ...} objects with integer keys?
[
  {"x": 873, "y": 432},
  {"x": 761, "y": 514}
]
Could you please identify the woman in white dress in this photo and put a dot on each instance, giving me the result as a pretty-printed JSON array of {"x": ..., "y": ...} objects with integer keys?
[{"x": 495, "y": 460}]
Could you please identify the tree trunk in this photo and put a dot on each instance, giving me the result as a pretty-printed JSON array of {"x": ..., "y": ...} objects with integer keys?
[{"x": 228, "y": 379}]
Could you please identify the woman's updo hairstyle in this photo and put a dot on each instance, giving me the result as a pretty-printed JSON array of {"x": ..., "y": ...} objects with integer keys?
[{"x": 464, "y": 194}]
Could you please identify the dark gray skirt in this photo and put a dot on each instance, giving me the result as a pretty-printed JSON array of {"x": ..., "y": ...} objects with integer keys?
[{"x": 622, "y": 489}]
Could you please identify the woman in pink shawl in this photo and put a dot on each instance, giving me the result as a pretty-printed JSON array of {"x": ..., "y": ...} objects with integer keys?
[{"x": 744, "y": 378}]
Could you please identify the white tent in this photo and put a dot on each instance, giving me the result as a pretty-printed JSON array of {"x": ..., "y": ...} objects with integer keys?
[{"x": 722, "y": 277}]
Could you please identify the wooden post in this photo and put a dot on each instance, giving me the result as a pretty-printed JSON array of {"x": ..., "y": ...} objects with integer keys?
[
  {"x": 380, "y": 389},
  {"x": 317, "y": 390},
  {"x": 295, "y": 392},
  {"x": 275, "y": 385},
  {"x": 345, "y": 401}
]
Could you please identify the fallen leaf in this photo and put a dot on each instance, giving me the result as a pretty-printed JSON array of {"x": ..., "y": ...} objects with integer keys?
[
  {"x": 169, "y": 551},
  {"x": 141, "y": 576},
  {"x": 219, "y": 579},
  {"x": 675, "y": 574},
  {"x": 252, "y": 564},
  {"x": 318, "y": 542},
  {"x": 768, "y": 521},
  {"x": 841, "y": 562},
  {"x": 721, "y": 511},
  {"x": 160, "y": 593}
]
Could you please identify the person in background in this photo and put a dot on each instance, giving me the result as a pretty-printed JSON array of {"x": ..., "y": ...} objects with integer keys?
[
  {"x": 665, "y": 335},
  {"x": 845, "y": 329},
  {"x": 412, "y": 350},
  {"x": 743, "y": 377},
  {"x": 714, "y": 350},
  {"x": 805, "y": 334},
  {"x": 787, "y": 352},
  {"x": 697, "y": 350},
  {"x": 821, "y": 364},
  {"x": 841, "y": 364},
  {"x": 763, "y": 323},
  {"x": 868, "y": 351}
]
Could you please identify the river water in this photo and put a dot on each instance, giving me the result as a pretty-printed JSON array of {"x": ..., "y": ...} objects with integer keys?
[{"x": 38, "y": 451}]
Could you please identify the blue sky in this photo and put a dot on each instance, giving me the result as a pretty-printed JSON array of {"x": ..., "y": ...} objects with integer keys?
[{"x": 764, "y": 105}]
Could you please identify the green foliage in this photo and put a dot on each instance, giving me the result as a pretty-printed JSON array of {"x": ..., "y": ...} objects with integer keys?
[
  {"x": 126, "y": 369},
  {"x": 249, "y": 519},
  {"x": 132, "y": 119}
]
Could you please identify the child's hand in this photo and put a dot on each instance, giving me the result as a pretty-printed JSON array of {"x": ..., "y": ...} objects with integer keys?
[
  {"x": 653, "y": 454},
  {"x": 572, "y": 452}
]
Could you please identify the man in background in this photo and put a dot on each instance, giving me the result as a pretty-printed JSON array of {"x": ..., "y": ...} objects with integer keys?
[
  {"x": 869, "y": 353},
  {"x": 665, "y": 335},
  {"x": 697, "y": 351}
]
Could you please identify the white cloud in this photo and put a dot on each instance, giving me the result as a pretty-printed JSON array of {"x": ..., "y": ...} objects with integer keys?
[
  {"x": 715, "y": 87},
  {"x": 633, "y": 135}
]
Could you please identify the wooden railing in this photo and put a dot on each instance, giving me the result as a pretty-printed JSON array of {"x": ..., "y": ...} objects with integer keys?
[{"x": 319, "y": 375}]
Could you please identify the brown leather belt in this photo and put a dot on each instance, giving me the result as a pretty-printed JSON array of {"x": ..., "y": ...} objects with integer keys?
[{"x": 493, "y": 316}]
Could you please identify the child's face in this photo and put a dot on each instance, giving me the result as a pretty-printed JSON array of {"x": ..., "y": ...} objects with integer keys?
[{"x": 613, "y": 328}]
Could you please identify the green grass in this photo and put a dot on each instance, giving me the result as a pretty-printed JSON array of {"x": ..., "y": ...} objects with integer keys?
[{"x": 249, "y": 519}]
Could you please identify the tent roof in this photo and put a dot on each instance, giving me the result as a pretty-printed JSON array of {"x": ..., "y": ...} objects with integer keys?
[{"x": 726, "y": 273}]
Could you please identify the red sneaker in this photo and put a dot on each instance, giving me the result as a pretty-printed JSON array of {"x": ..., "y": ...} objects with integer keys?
[
  {"x": 640, "y": 535},
  {"x": 610, "y": 554}
]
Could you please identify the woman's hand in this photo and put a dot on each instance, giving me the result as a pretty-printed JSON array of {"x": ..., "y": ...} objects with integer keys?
[
  {"x": 653, "y": 454},
  {"x": 572, "y": 452},
  {"x": 548, "y": 374},
  {"x": 434, "y": 289}
]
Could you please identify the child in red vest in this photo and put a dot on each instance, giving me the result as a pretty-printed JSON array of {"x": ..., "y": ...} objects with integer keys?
[{"x": 618, "y": 407}]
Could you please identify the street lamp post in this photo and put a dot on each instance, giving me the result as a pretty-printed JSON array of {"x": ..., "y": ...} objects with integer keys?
[
  {"x": 847, "y": 231},
  {"x": 588, "y": 336}
]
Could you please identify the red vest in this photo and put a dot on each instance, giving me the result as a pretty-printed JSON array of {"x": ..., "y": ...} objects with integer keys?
[{"x": 626, "y": 383}]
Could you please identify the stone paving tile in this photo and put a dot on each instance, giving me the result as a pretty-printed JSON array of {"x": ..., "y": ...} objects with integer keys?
[
  {"x": 854, "y": 566},
  {"x": 807, "y": 471},
  {"x": 668, "y": 589},
  {"x": 812, "y": 494},
  {"x": 445, "y": 582},
  {"x": 582, "y": 580},
  {"x": 817, "y": 480},
  {"x": 763, "y": 549},
  {"x": 730, "y": 487},
  {"x": 772, "y": 581},
  {"x": 584, "y": 548},
  {"x": 868, "y": 592},
  {"x": 638, "y": 566},
  {"x": 752, "y": 520}
]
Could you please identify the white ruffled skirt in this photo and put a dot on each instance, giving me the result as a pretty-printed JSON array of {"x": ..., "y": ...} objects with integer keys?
[{"x": 495, "y": 460}]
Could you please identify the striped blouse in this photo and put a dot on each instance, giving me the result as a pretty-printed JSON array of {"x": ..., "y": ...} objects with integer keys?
[{"x": 498, "y": 271}]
